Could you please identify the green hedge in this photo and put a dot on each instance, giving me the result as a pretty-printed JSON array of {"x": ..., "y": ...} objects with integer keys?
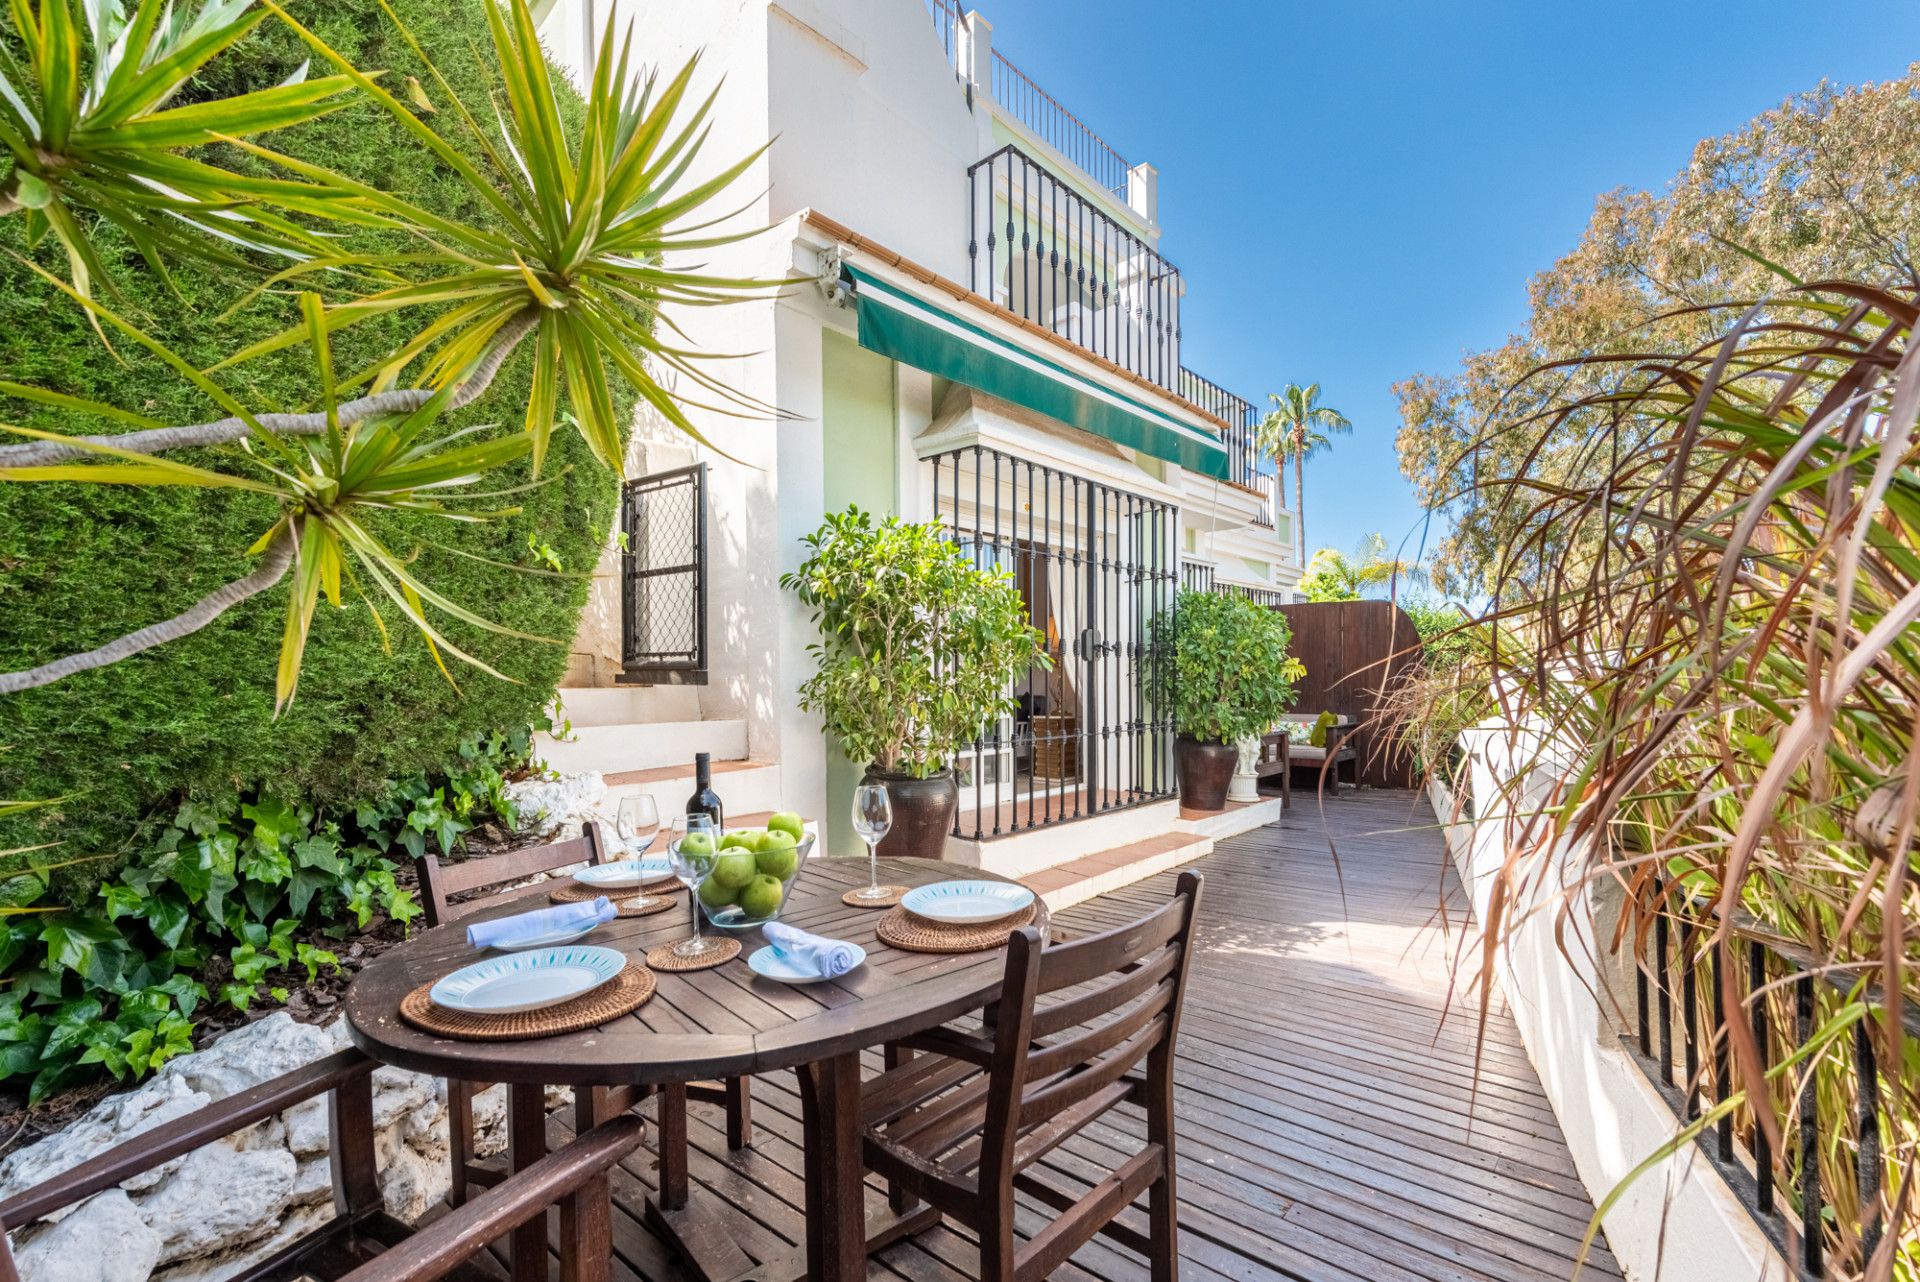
[{"x": 79, "y": 566}]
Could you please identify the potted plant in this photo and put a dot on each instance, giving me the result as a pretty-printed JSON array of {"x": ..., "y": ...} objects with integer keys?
[
  {"x": 1232, "y": 677},
  {"x": 919, "y": 648}
]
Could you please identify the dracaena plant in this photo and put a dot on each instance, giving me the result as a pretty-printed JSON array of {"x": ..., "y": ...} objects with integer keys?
[
  {"x": 572, "y": 257},
  {"x": 570, "y": 251},
  {"x": 85, "y": 115}
]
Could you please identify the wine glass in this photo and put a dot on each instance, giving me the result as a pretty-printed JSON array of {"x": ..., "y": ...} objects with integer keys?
[
  {"x": 692, "y": 867},
  {"x": 638, "y": 822},
  {"x": 872, "y": 819}
]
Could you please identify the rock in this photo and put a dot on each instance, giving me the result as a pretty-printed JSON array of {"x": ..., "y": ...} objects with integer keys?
[
  {"x": 105, "y": 1125},
  {"x": 397, "y": 1092},
  {"x": 490, "y": 1121},
  {"x": 557, "y": 808},
  {"x": 219, "y": 1198},
  {"x": 218, "y": 1268},
  {"x": 101, "y": 1240},
  {"x": 251, "y": 1054},
  {"x": 409, "y": 1182},
  {"x": 312, "y": 1183},
  {"x": 308, "y": 1128}
]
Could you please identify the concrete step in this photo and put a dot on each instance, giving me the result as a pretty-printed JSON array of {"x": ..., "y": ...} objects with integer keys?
[
  {"x": 622, "y": 705},
  {"x": 746, "y": 788},
  {"x": 1238, "y": 817},
  {"x": 629, "y": 746},
  {"x": 1016, "y": 854},
  {"x": 1065, "y": 885}
]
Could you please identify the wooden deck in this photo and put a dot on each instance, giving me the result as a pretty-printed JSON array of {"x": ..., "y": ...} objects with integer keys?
[{"x": 1329, "y": 1126}]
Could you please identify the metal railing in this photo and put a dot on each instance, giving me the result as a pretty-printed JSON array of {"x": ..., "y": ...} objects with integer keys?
[
  {"x": 663, "y": 578},
  {"x": 1059, "y": 128},
  {"x": 1196, "y": 576},
  {"x": 1786, "y": 994},
  {"x": 946, "y": 24},
  {"x": 1045, "y": 252}
]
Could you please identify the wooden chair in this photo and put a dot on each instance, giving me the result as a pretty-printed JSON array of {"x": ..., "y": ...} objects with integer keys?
[
  {"x": 959, "y": 1127},
  {"x": 439, "y": 883},
  {"x": 361, "y": 1241}
]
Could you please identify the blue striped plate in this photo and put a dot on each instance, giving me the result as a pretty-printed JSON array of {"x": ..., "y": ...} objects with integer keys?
[
  {"x": 527, "y": 981},
  {"x": 968, "y": 903}
]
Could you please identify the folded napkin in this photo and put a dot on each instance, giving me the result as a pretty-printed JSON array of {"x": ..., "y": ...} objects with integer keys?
[
  {"x": 503, "y": 932},
  {"x": 830, "y": 957}
]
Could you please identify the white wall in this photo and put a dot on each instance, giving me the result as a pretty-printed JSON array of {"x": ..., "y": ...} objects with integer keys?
[{"x": 1678, "y": 1222}]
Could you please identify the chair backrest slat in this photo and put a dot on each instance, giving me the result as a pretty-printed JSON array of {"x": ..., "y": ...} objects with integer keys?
[
  {"x": 1066, "y": 965},
  {"x": 1038, "y": 1106},
  {"x": 1078, "y": 1009},
  {"x": 439, "y": 881},
  {"x": 1081, "y": 1049}
]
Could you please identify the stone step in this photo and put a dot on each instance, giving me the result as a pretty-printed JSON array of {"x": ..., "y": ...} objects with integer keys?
[
  {"x": 1015, "y": 854},
  {"x": 648, "y": 745},
  {"x": 621, "y": 705},
  {"x": 1077, "y": 880}
]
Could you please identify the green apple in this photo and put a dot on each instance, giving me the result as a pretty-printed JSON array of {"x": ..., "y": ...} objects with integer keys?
[
  {"x": 715, "y": 895},
  {"x": 780, "y": 862},
  {"x": 745, "y": 838},
  {"x": 761, "y": 897},
  {"x": 788, "y": 822},
  {"x": 697, "y": 843},
  {"x": 776, "y": 839},
  {"x": 734, "y": 868}
]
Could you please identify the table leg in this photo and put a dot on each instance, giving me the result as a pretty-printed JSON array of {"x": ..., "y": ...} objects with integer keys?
[
  {"x": 527, "y": 1135},
  {"x": 836, "y": 1188}
]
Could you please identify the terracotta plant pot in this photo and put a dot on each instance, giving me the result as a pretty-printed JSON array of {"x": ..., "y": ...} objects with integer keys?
[
  {"x": 1205, "y": 770},
  {"x": 923, "y": 812}
]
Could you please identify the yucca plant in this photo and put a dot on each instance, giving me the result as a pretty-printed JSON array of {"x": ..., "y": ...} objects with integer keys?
[
  {"x": 1712, "y": 640},
  {"x": 573, "y": 258},
  {"x": 90, "y": 131},
  {"x": 572, "y": 254}
]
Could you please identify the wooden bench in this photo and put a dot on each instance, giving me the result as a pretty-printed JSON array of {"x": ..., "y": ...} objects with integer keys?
[{"x": 1340, "y": 751}]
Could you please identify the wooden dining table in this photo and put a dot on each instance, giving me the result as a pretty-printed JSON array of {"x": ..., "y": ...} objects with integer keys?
[{"x": 701, "y": 1025}]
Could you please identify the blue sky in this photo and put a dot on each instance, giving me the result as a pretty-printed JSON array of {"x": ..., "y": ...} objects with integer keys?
[{"x": 1358, "y": 191}]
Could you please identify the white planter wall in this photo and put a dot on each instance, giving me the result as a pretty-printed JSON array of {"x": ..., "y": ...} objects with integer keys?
[{"x": 1677, "y": 1222}]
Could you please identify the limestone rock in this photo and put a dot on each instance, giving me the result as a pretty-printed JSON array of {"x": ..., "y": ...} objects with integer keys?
[
  {"x": 251, "y": 1054},
  {"x": 104, "y": 1126},
  {"x": 101, "y": 1240},
  {"x": 558, "y": 808},
  {"x": 219, "y": 1198}
]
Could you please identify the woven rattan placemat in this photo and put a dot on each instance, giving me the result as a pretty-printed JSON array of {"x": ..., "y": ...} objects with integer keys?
[
  {"x": 901, "y": 929},
  {"x": 571, "y": 891},
  {"x": 662, "y": 957},
  {"x": 635, "y": 905},
  {"x": 621, "y": 995},
  {"x": 852, "y": 898}
]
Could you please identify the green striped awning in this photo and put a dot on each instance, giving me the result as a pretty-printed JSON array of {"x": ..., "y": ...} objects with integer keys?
[{"x": 914, "y": 332}]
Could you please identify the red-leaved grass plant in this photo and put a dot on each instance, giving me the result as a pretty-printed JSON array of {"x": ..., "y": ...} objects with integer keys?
[{"x": 1706, "y": 637}]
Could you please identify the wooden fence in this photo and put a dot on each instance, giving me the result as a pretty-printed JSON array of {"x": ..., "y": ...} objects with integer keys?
[{"x": 1353, "y": 650}]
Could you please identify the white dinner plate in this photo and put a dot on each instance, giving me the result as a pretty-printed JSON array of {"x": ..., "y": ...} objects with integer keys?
[
  {"x": 552, "y": 939},
  {"x": 774, "y": 964},
  {"x": 625, "y": 872},
  {"x": 527, "y": 981},
  {"x": 966, "y": 902}
]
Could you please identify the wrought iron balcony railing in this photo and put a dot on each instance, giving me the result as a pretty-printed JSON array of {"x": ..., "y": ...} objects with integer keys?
[{"x": 1045, "y": 252}]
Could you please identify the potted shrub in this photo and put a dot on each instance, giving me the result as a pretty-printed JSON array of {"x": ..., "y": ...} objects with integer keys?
[
  {"x": 918, "y": 650},
  {"x": 1232, "y": 677}
]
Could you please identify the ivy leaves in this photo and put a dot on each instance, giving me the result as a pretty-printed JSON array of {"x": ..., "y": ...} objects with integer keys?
[{"x": 224, "y": 893}]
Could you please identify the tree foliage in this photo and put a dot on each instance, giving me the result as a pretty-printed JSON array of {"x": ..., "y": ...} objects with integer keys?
[
  {"x": 919, "y": 647},
  {"x": 1232, "y": 675},
  {"x": 1825, "y": 185}
]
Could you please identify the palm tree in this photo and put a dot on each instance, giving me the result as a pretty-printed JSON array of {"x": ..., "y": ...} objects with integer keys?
[{"x": 1298, "y": 427}]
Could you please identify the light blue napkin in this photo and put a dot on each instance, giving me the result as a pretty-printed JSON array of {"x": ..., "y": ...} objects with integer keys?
[
  {"x": 830, "y": 957},
  {"x": 504, "y": 932}
]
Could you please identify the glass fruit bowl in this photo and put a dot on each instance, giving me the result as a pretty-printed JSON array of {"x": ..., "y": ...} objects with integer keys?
[{"x": 746, "y": 881}]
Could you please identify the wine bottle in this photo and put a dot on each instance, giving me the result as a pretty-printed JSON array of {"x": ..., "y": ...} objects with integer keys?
[{"x": 705, "y": 801}]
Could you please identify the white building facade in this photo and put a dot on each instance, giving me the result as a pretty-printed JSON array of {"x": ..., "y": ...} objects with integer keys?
[{"x": 981, "y": 332}]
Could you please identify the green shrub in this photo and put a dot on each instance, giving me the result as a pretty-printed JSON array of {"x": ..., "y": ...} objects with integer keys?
[
  {"x": 225, "y": 902},
  {"x": 193, "y": 721},
  {"x": 1231, "y": 671}
]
